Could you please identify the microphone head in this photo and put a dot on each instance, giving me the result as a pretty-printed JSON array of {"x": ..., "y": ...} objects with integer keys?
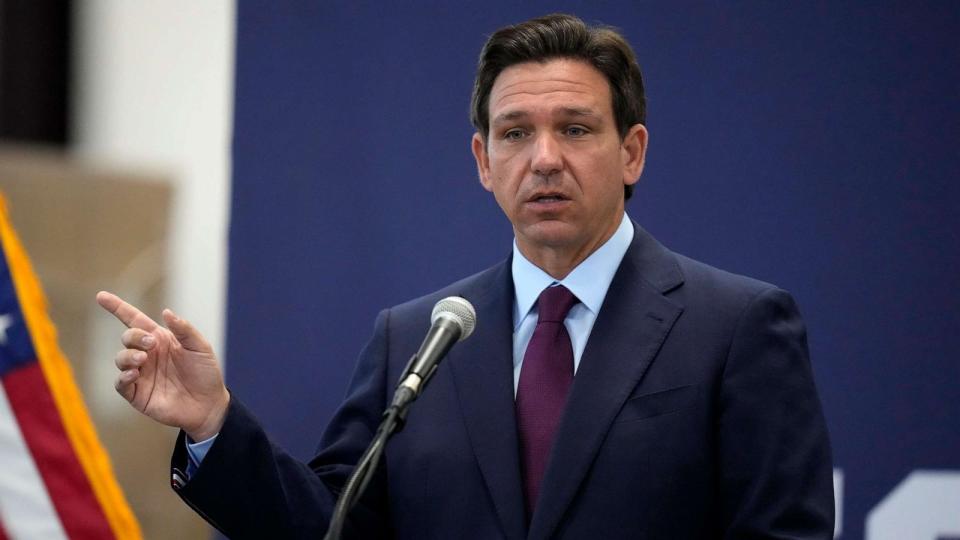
[{"x": 457, "y": 310}]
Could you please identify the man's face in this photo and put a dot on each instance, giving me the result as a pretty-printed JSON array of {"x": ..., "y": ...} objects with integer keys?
[{"x": 553, "y": 158}]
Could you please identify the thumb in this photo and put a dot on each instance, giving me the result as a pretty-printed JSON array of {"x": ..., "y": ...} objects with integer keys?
[{"x": 186, "y": 334}]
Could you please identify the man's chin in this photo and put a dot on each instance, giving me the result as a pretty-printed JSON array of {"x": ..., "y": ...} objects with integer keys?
[{"x": 552, "y": 234}]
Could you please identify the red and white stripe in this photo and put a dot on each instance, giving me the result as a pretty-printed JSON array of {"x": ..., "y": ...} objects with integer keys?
[
  {"x": 26, "y": 510},
  {"x": 51, "y": 496}
]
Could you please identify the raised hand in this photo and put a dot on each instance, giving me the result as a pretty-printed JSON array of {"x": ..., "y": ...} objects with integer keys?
[{"x": 169, "y": 374}]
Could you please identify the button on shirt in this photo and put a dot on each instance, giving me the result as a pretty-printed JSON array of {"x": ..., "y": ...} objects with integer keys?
[{"x": 589, "y": 282}]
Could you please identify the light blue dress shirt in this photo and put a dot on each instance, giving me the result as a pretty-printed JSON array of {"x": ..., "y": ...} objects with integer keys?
[
  {"x": 196, "y": 451},
  {"x": 589, "y": 282}
]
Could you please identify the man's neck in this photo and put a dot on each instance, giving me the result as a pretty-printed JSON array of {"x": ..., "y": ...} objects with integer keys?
[{"x": 559, "y": 261}]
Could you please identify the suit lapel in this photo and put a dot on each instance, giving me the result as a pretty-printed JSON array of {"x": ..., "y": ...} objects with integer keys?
[
  {"x": 630, "y": 328},
  {"x": 482, "y": 369}
]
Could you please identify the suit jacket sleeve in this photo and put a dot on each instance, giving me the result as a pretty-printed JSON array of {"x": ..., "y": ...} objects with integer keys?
[
  {"x": 774, "y": 454},
  {"x": 247, "y": 487}
]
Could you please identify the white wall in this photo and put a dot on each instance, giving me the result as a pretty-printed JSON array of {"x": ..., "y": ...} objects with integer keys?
[{"x": 154, "y": 90}]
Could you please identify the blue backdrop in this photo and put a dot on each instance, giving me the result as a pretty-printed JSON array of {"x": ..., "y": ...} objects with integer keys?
[{"x": 814, "y": 145}]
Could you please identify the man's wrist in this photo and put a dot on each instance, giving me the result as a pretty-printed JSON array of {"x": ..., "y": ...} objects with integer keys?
[{"x": 214, "y": 421}]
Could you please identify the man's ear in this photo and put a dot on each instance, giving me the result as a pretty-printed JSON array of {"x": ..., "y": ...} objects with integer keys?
[
  {"x": 634, "y": 153},
  {"x": 483, "y": 161}
]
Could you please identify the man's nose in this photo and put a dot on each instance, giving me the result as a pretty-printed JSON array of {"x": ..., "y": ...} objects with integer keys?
[{"x": 547, "y": 156}]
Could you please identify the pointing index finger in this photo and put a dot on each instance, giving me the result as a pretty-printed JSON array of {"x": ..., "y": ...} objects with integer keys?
[{"x": 128, "y": 315}]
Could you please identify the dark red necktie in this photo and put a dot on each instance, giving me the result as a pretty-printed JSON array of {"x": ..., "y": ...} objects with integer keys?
[{"x": 545, "y": 379}]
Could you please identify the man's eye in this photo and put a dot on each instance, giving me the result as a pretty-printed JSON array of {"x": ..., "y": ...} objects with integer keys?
[
  {"x": 514, "y": 135},
  {"x": 576, "y": 131}
]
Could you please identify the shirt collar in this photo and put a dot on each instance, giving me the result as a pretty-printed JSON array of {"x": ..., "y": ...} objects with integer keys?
[{"x": 589, "y": 281}]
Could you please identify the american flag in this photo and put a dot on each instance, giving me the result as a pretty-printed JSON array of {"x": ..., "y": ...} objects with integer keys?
[{"x": 55, "y": 478}]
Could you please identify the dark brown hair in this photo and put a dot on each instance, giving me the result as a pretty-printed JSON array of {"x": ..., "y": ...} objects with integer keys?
[{"x": 562, "y": 36}]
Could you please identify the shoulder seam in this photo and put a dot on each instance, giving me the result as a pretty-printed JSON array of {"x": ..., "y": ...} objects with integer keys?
[{"x": 736, "y": 327}]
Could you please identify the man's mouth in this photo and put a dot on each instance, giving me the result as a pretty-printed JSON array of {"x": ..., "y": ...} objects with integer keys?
[{"x": 548, "y": 198}]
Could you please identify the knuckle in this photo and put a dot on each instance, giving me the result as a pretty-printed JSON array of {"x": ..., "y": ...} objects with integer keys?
[
  {"x": 128, "y": 337},
  {"x": 128, "y": 358}
]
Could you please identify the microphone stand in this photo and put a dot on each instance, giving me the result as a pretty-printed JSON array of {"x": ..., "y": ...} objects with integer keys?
[
  {"x": 392, "y": 423},
  {"x": 453, "y": 319}
]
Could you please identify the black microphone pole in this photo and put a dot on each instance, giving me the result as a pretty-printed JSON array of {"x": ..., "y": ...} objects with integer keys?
[{"x": 453, "y": 319}]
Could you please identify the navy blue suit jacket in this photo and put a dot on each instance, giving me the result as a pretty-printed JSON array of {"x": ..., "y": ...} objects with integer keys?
[{"x": 693, "y": 414}]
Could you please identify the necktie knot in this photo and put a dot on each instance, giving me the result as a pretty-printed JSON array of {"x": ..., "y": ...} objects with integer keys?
[{"x": 554, "y": 304}]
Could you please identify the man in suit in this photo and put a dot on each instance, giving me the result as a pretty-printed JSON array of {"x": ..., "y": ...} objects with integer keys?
[{"x": 612, "y": 389}]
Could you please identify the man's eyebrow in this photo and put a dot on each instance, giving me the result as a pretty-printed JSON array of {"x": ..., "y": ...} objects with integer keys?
[
  {"x": 511, "y": 116},
  {"x": 577, "y": 111}
]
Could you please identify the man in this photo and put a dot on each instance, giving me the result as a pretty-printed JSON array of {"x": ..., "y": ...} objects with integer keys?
[{"x": 613, "y": 389}]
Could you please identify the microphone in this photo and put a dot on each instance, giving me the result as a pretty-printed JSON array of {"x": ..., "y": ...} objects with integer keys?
[{"x": 453, "y": 319}]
